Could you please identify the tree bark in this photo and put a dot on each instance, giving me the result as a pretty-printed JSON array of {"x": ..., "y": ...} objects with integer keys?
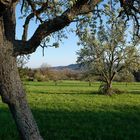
[
  {"x": 12, "y": 92},
  {"x": 109, "y": 88}
]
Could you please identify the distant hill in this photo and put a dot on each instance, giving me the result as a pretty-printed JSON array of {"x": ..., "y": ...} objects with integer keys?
[{"x": 71, "y": 67}]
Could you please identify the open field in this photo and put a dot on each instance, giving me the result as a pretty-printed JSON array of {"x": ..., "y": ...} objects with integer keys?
[{"x": 74, "y": 111}]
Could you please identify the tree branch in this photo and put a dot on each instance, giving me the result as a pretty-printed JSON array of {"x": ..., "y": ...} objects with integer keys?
[
  {"x": 53, "y": 25},
  {"x": 29, "y": 17}
]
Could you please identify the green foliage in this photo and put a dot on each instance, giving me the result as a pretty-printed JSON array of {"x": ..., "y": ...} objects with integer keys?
[
  {"x": 23, "y": 72},
  {"x": 73, "y": 110},
  {"x": 46, "y": 73},
  {"x": 107, "y": 52},
  {"x": 125, "y": 76},
  {"x": 39, "y": 77}
]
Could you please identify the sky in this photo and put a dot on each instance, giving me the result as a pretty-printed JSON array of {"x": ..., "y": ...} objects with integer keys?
[{"x": 64, "y": 55}]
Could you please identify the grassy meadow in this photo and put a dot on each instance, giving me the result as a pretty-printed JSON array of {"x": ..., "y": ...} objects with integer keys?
[{"x": 74, "y": 111}]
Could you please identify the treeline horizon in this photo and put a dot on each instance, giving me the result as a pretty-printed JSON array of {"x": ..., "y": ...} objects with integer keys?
[{"x": 64, "y": 73}]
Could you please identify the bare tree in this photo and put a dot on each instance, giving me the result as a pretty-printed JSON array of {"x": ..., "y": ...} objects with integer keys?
[{"x": 52, "y": 16}]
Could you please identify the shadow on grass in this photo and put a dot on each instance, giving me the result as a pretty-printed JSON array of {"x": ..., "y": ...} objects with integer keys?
[
  {"x": 102, "y": 125},
  {"x": 45, "y": 84},
  {"x": 65, "y": 92},
  {"x": 79, "y": 92},
  {"x": 8, "y": 130},
  {"x": 134, "y": 92},
  {"x": 77, "y": 85},
  {"x": 123, "y": 123},
  {"x": 61, "y": 85}
]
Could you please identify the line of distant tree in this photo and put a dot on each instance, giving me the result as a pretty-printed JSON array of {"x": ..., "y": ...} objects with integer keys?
[{"x": 48, "y": 73}]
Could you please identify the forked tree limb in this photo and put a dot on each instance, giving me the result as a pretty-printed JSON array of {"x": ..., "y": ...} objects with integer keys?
[
  {"x": 81, "y": 7},
  {"x": 53, "y": 25}
]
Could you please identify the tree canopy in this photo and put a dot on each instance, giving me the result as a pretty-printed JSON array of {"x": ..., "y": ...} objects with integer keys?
[
  {"x": 107, "y": 52},
  {"x": 53, "y": 15}
]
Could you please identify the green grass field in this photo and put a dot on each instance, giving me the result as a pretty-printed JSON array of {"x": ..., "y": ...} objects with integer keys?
[{"x": 74, "y": 111}]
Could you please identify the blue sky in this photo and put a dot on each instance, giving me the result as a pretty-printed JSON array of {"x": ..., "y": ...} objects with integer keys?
[{"x": 64, "y": 55}]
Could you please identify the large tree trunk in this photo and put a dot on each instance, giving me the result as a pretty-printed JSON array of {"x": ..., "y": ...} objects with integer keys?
[
  {"x": 12, "y": 92},
  {"x": 106, "y": 88}
]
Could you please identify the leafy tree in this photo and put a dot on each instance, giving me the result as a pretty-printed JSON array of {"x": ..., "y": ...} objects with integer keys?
[
  {"x": 52, "y": 16},
  {"x": 21, "y": 62},
  {"x": 124, "y": 76},
  {"x": 107, "y": 59},
  {"x": 107, "y": 52}
]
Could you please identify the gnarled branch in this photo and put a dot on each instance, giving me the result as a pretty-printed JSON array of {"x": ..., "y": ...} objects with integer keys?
[{"x": 53, "y": 25}]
